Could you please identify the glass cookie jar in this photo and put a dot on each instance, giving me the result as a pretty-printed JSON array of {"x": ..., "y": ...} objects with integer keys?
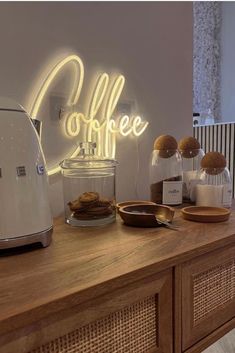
[{"x": 89, "y": 188}]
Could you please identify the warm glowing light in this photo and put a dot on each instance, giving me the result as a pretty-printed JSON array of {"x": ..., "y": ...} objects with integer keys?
[
  {"x": 73, "y": 120},
  {"x": 98, "y": 126},
  {"x": 95, "y": 104},
  {"x": 124, "y": 124},
  {"x": 98, "y": 95},
  {"x": 76, "y": 90},
  {"x": 137, "y": 122},
  {"x": 54, "y": 170},
  {"x": 115, "y": 95}
]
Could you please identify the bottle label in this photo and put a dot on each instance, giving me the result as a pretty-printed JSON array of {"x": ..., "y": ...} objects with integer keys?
[
  {"x": 227, "y": 195},
  {"x": 172, "y": 192}
]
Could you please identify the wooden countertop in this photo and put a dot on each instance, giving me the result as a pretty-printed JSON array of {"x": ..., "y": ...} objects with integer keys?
[{"x": 82, "y": 264}]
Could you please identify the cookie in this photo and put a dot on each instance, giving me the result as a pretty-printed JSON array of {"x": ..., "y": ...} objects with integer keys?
[
  {"x": 90, "y": 206},
  {"x": 99, "y": 211},
  {"x": 103, "y": 202},
  {"x": 82, "y": 215},
  {"x": 74, "y": 205},
  {"x": 88, "y": 197}
]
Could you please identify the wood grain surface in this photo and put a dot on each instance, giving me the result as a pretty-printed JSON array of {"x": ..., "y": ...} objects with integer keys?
[{"x": 82, "y": 264}]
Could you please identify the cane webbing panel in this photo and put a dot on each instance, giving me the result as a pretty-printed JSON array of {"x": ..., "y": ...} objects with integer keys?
[
  {"x": 133, "y": 329},
  {"x": 212, "y": 289}
]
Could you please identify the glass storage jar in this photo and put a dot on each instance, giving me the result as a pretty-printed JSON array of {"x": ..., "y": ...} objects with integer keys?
[
  {"x": 191, "y": 160},
  {"x": 215, "y": 188},
  {"x": 166, "y": 177},
  {"x": 89, "y": 188},
  {"x": 192, "y": 155}
]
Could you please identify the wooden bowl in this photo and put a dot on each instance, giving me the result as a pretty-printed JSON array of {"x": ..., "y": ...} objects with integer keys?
[
  {"x": 143, "y": 215},
  {"x": 136, "y": 202},
  {"x": 205, "y": 214}
]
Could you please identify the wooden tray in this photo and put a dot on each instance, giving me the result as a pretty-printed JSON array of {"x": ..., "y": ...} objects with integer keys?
[{"x": 205, "y": 214}]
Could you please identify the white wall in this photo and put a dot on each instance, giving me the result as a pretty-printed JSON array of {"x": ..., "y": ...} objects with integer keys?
[
  {"x": 227, "y": 61},
  {"x": 150, "y": 43}
]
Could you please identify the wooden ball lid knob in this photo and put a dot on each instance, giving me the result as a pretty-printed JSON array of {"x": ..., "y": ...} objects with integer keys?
[
  {"x": 166, "y": 144},
  {"x": 213, "y": 162},
  {"x": 189, "y": 147}
]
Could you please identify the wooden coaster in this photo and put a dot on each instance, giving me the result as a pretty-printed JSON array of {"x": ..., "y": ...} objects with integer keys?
[{"x": 206, "y": 214}]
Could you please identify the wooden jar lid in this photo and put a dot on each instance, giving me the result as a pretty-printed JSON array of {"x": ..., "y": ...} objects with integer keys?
[
  {"x": 166, "y": 144},
  {"x": 213, "y": 162},
  {"x": 189, "y": 147}
]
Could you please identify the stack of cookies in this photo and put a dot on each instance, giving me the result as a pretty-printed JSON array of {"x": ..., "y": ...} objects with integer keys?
[{"x": 90, "y": 205}]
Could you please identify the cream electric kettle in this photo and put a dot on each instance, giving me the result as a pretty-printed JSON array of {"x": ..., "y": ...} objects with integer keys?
[{"x": 25, "y": 215}]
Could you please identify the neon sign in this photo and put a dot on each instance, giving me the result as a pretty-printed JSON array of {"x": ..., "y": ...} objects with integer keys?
[{"x": 103, "y": 130}]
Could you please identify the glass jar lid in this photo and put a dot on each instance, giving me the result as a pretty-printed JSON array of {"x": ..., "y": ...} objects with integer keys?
[
  {"x": 88, "y": 159},
  {"x": 87, "y": 162}
]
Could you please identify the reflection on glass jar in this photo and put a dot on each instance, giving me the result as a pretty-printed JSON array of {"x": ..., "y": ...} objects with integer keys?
[
  {"x": 191, "y": 161},
  {"x": 166, "y": 177},
  {"x": 89, "y": 188},
  {"x": 215, "y": 188},
  {"x": 192, "y": 155}
]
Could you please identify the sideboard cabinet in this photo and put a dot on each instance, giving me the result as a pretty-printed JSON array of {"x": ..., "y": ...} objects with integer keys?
[
  {"x": 136, "y": 318},
  {"x": 122, "y": 290},
  {"x": 208, "y": 294}
]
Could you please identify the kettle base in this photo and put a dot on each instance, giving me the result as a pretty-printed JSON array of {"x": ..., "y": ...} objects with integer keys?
[{"x": 42, "y": 237}]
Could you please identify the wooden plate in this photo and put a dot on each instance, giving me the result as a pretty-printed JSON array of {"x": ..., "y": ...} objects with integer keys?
[
  {"x": 205, "y": 214},
  {"x": 141, "y": 215}
]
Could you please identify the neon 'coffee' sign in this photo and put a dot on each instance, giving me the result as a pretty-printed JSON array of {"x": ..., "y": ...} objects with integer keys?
[{"x": 104, "y": 130}]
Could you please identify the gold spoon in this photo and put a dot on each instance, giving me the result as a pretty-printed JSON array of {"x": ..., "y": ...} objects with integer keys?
[{"x": 162, "y": 220}]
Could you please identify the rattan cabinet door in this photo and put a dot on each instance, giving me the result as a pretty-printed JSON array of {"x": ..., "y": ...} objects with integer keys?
[
  {"x": 208, "y": 294},
  {"x": 134, "y": 319}
]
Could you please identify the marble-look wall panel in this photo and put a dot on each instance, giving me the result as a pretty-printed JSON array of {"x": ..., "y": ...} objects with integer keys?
[{"x": 206, "y": 57}]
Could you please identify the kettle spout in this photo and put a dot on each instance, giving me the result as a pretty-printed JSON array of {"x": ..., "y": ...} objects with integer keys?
[{"x": 38, "y": 126}]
